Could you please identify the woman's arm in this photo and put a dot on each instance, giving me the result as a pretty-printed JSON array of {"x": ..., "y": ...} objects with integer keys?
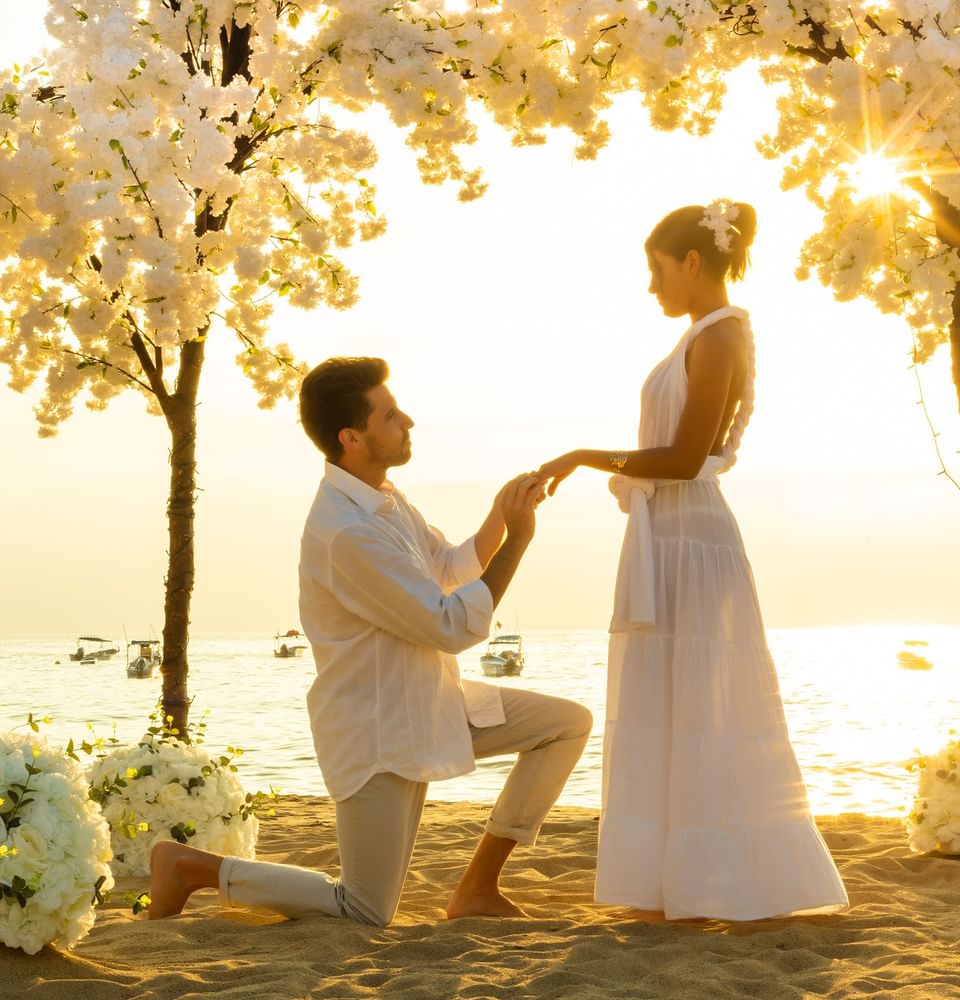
[{"x": 715, "y": 358}]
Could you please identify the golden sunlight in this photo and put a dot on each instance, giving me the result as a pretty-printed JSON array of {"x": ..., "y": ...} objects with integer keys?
[{"x": 874, "y": 174}]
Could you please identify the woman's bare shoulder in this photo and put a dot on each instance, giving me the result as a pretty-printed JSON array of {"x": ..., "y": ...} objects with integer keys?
[{"x": 724, "y": 335}]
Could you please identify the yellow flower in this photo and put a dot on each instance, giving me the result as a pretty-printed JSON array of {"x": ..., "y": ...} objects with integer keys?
[{"x": 132, "y": 772}]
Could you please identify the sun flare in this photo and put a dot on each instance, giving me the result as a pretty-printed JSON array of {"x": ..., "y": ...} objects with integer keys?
[{"x": 874, "y": 175}]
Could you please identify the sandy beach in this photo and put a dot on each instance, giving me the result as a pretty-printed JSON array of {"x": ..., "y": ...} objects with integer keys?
[{"x": 898, "y": 940}]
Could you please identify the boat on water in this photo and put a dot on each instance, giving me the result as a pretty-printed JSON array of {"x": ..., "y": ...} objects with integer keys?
[
  {"x": 96, "y": 649},
  {"x": 504, "y": 656},
  {"x": 913, "y": 661},
  {"x": 142, "y": 656},
  {"x": 285, "y": 645}
]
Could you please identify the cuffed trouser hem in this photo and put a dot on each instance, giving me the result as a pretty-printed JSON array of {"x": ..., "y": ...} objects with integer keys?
[
  {"x": 288, "y": 889},
  {"x": 549, "y": 735},
  {"x": 525, "y": 837},
  {"x": 224, "y": 877}
]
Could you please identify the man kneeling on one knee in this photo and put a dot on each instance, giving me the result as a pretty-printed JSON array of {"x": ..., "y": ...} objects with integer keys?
[{"x": 387, "y": 603}]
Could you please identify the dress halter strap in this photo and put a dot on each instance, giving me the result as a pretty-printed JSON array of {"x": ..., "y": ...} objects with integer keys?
[{"x": 745, "y": 409}]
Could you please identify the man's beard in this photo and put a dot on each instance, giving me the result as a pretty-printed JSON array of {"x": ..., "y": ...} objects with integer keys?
[{"x": 387, "y": 460}]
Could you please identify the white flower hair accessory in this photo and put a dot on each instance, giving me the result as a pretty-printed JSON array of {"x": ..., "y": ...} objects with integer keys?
[{"x": 720, "y": 216}]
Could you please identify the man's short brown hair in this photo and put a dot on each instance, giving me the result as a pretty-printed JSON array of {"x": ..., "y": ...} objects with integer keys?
[{"x": 334, "y": 396}]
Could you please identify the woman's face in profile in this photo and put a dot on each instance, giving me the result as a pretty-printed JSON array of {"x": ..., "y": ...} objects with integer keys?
[{"x": 669, "y": 282}]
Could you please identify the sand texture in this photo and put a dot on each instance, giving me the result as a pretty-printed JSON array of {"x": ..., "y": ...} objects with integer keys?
[{"x": 899, "y": 940}]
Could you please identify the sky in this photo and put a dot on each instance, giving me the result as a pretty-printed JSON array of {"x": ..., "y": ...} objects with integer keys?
[{"x": 516, "y": 327}]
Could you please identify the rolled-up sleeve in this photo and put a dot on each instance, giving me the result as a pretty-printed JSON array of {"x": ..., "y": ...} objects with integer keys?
[
  {"x": 455, "y": 565},
  {"x": 382, "y": 583}
]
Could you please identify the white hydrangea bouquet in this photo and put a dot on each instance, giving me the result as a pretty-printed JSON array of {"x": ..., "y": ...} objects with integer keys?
[
  {"x": 164, "y": 788},
  {"x": 934, "y": 822},
  {"x": 54, "y": 846}
]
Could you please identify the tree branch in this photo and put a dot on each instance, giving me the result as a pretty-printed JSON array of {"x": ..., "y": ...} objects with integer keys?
[
  {"x": 16, "y": 208},
  {"x": 252, "y": 345},
  {"x": 934, "y": 433},
  {"x": 946, "y": 217},
  {"x": 191, "y": 362},
  {"x": 91, "y": 359},
  {"x": 150, "y": 369}
]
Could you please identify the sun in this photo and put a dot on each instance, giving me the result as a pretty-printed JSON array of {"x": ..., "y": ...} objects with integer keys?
[{"x": 873, "y": 175}]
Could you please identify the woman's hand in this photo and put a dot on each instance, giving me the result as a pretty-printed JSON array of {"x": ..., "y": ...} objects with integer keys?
[{"x": 558, "y": 469}]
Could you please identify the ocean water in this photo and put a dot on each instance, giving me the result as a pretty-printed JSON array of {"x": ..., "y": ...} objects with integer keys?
[{"x": 857, "y": 708}]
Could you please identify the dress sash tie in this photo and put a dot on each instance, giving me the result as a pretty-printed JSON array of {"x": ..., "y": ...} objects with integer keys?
[{"x": 635, "y": 595}]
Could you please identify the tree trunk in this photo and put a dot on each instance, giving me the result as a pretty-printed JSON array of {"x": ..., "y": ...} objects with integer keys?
[{"x": 180, "y": 410}]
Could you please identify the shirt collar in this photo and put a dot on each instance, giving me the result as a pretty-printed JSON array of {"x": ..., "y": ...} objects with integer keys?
[{"x": 369, "y": 499}]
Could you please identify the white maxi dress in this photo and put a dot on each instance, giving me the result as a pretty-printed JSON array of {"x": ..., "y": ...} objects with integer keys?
[{"x": 705, "y": 812}]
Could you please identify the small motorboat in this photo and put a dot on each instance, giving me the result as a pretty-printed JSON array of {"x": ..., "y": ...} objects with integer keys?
[
  {"x": 504, "y": 656},
  {"x": 913, "y": 661},
  {"x": 142, "y": 656},
  {"x": 286, "y": 644},
  {"x": 103, "y": 649}
]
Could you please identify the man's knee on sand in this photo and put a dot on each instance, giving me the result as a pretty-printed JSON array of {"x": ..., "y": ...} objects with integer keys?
[
  {"x": 579, "y": 721},
  {"x": 363, "y": 906},
  {"x": 370, "y": 913}
]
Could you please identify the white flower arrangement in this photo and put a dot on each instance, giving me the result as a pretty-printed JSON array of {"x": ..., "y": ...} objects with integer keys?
[
  {"x": 934, "y": 822},
  {"x": 720, "y": 216},
  {"x": 54, "y": 846},
  {"x": 163, "y": 788}
]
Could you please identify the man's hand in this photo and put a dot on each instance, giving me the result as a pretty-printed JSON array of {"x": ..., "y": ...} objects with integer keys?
[{"x": 518, "y": 501}]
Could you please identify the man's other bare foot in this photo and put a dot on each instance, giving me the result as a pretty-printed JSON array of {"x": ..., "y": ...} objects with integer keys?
[
  {"x": 486, "y": 904},
  {"x": 176, "y": 871}
]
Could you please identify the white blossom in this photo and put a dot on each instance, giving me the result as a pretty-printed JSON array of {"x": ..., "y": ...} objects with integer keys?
[
  {"x": 169, "y": 786},
  {"x": 55, "y": 843},
  {"x": 934, "y": 820},
  {"x": 145, "y": 126}
]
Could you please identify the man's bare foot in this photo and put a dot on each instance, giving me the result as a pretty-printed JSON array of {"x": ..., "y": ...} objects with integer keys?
[
  {"x": 487, "y": 904},
  {"x": 176, "y": 871}
]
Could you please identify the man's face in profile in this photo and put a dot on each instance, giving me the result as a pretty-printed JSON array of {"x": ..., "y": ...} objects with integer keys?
[{"x": 387, "y": 435}]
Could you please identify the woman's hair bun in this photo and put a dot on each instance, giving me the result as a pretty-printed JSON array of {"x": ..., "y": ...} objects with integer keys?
[
  {"x": 747, "y": 225},
  {"x": 684, "y": 230}
]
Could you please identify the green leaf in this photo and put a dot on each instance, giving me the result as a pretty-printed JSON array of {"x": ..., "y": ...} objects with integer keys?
[
  {"x": 98, "y": 896},
  {"x": 140, "y": 903},
  {"x": 672, "y": 41}
]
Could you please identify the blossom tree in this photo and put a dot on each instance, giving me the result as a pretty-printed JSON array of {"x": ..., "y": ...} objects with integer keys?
[
  {"x": 170, "y": 166},
  {"x": 165, "y": 170}
]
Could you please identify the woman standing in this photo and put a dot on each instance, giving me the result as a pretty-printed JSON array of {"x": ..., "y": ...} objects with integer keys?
[{"x": 705, "y": 812}]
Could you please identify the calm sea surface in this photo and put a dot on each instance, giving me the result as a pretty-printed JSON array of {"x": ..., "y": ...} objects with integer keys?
[{"x": 856, "y": 713}]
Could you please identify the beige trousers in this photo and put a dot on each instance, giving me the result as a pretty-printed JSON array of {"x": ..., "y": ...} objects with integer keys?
[{"x": 377, "y": 826}]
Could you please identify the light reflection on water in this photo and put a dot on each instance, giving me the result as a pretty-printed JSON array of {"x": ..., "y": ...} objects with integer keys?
[{"x": 855, "y": 714}]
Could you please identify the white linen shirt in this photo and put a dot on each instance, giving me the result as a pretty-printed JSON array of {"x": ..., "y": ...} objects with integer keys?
[{"x": 386, "y": 601}]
